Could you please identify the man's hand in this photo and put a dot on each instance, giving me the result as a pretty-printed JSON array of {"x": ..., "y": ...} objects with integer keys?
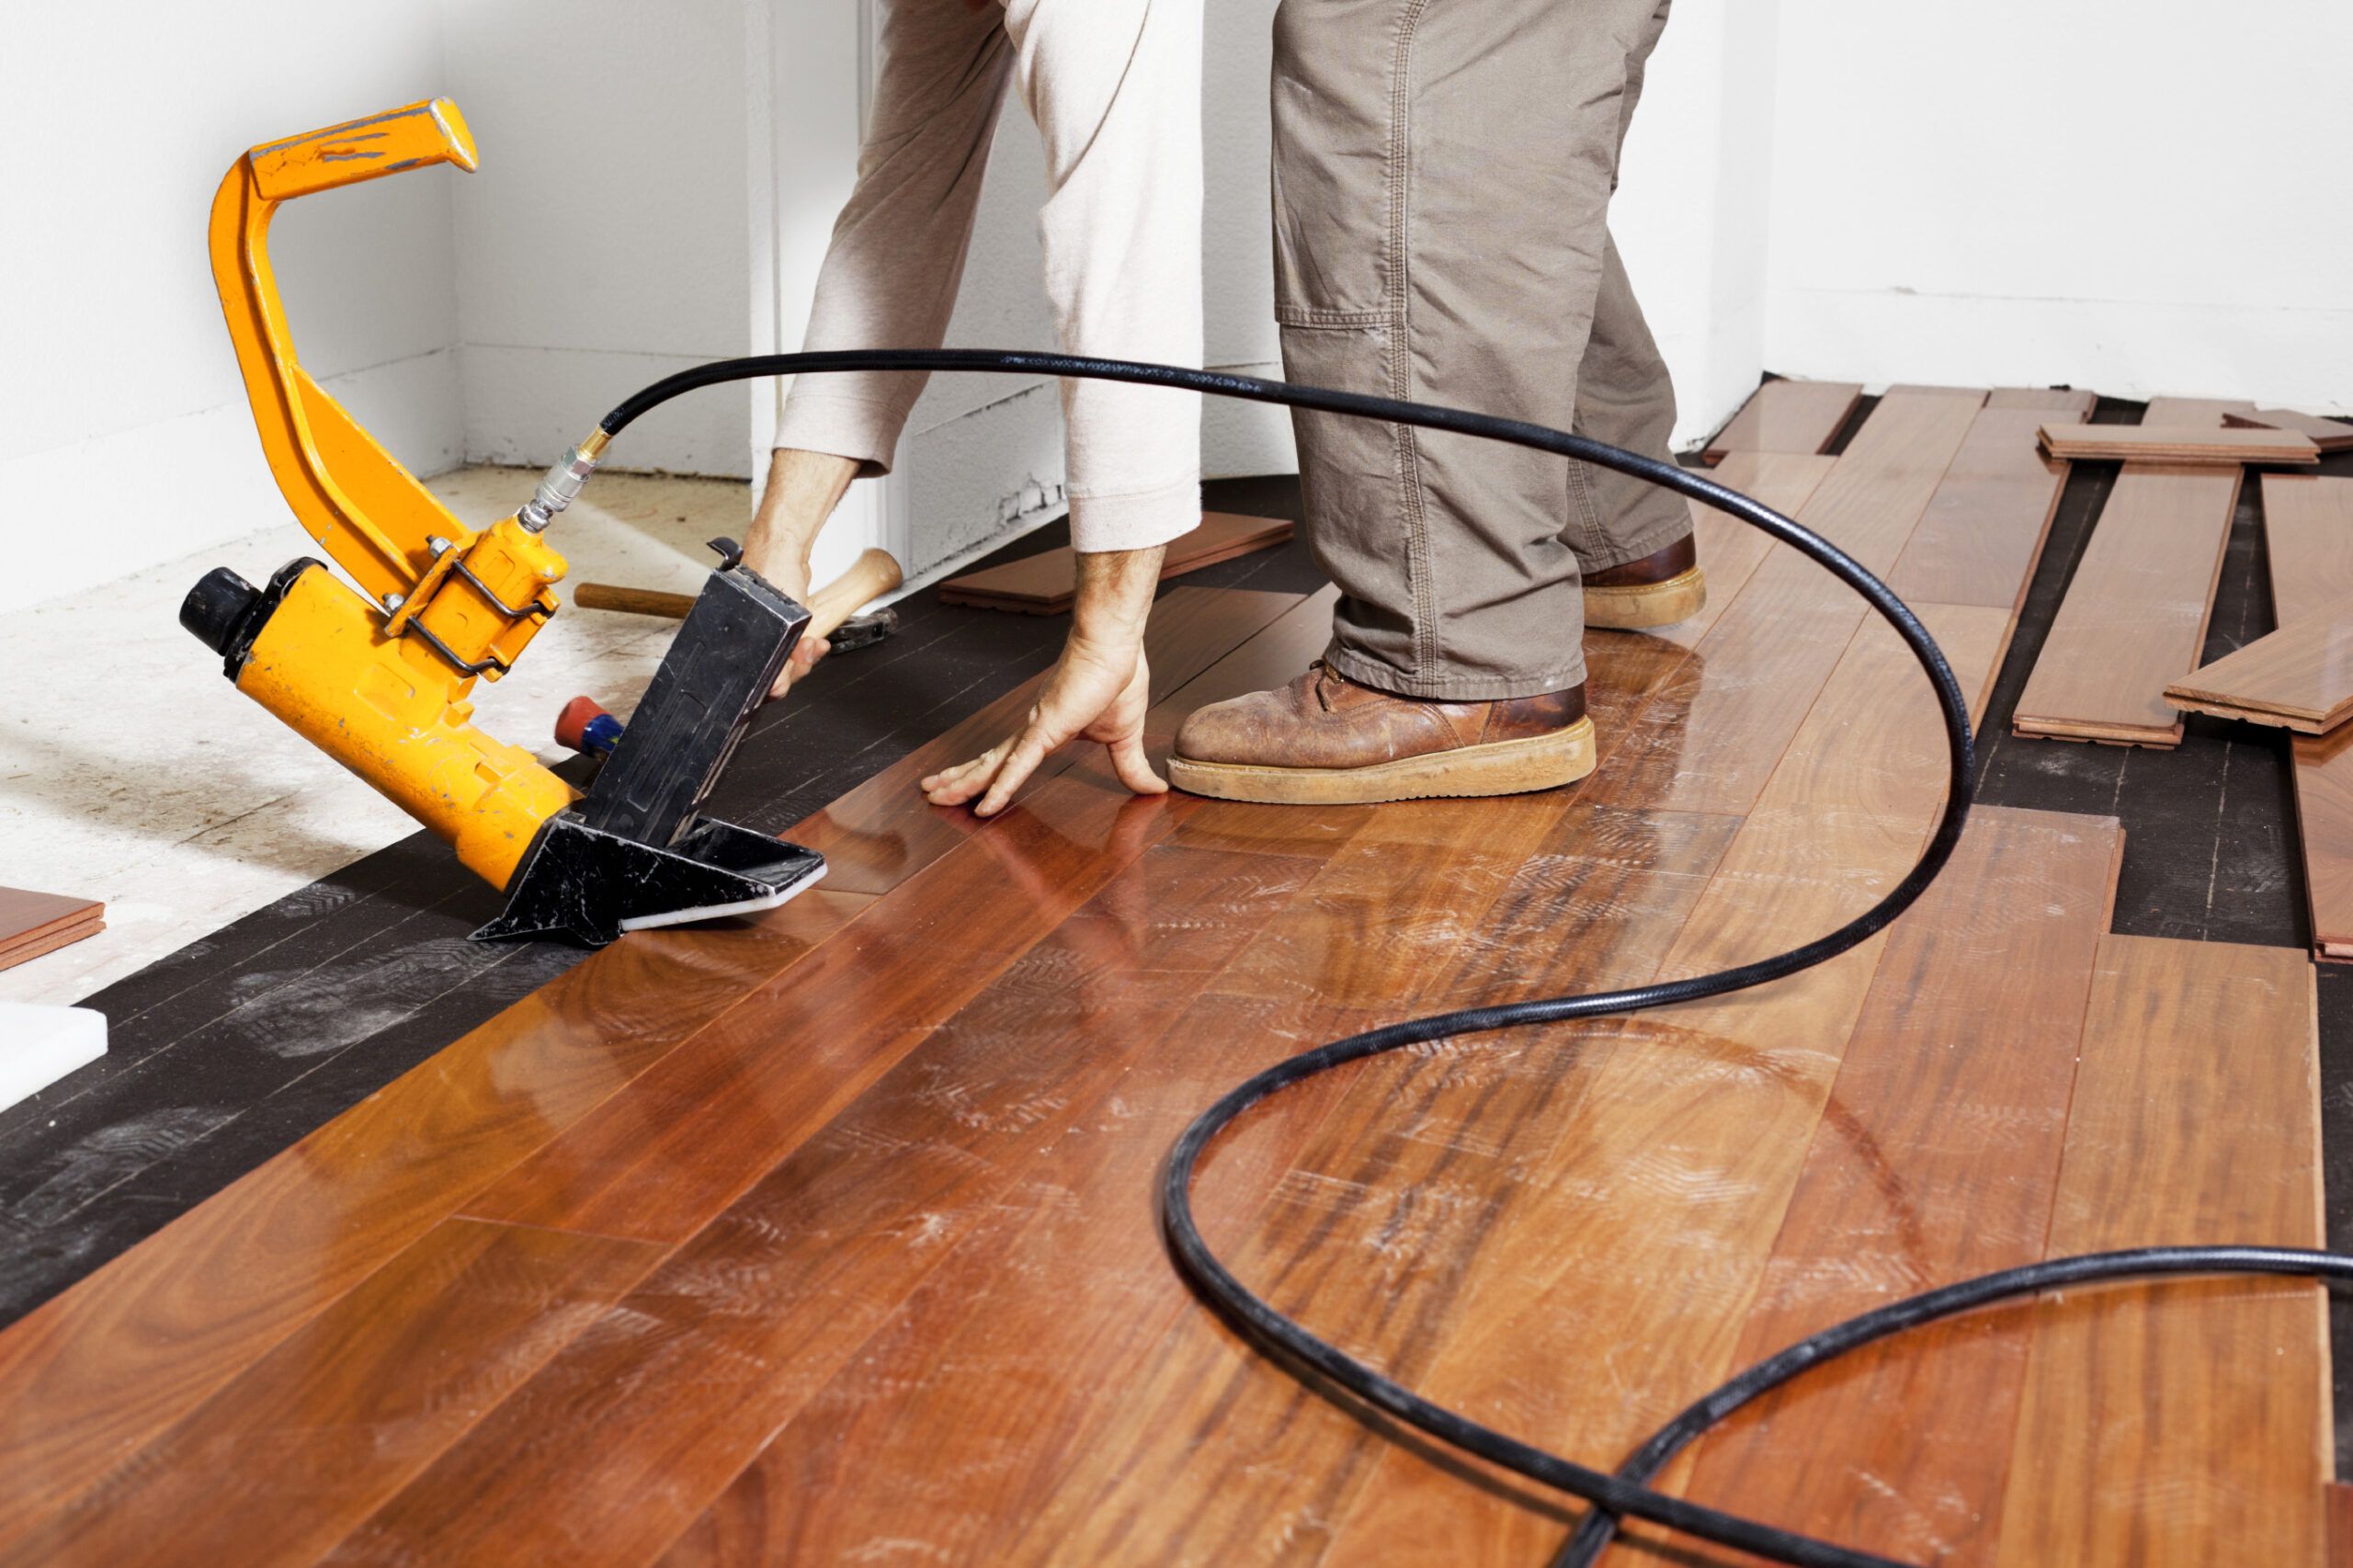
[
  {"x": 1098, "y": 690},
  {"x": 803, "y": 489}
]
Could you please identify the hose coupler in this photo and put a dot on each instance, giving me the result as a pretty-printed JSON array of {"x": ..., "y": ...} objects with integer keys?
[{"x": 561, "y": 482}]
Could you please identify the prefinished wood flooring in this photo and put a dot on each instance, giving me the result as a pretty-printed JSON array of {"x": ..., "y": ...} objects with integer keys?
[{"x": 827, "y": 1237}]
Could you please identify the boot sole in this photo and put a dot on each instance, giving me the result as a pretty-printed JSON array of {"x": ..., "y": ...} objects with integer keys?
[
  {"x": 1639, "y": 606},
  {"x": 1499, "y": 767}
]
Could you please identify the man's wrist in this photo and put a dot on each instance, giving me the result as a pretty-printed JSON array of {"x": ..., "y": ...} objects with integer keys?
[{"x": 1114, "y": 594}]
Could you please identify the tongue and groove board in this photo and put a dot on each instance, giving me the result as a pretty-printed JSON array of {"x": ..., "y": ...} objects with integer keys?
[
  {"x": 2134, "y": 615},
  {"x": 1786, "y": 416},
  {"x": 32, "y": 924},
  {"x": 2299, "y": 677},
  {"x": 2328, "y": 434},
  {"x": 2178, "y": 444},
  {"x": 828, "y": 1235},
  {"x": 2308, "y": 529}
]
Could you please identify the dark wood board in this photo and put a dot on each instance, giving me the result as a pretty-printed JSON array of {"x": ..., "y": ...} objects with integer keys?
[{"x": 1043, "y": 583}]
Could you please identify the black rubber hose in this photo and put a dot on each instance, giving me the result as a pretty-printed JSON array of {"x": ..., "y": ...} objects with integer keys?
[{"x": 1625, "y": 1493}]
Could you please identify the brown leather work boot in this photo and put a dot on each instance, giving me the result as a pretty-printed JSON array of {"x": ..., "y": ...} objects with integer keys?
[
  {"x": 1325, "y": 740},
  {"x": 1658, "y": 590}
]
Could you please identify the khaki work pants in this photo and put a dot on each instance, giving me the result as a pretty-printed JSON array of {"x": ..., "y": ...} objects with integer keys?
[{"x": 1442, "y": 179}]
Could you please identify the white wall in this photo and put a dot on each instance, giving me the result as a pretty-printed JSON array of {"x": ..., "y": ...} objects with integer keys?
[
  {"x": 602, "y": 243},
  {"x": 2141, "y": 199},
  {"x": 124, "y": 435}
]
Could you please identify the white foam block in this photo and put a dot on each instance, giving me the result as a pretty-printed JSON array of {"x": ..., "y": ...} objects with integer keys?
[{"x": 40, "y": 1044}]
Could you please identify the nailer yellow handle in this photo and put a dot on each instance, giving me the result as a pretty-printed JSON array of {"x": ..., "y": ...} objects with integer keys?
[
  {"x": 367, "y": 511},
  {"x": 429, "y": 132}
]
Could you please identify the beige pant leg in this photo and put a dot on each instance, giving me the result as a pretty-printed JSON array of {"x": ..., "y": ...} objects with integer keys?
[{"x": 1115, "y": 89}]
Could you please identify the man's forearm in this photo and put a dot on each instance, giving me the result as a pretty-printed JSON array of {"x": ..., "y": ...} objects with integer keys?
[
  {"x": 802, "y": 491},
  {"x": 1114, "y": 599}
]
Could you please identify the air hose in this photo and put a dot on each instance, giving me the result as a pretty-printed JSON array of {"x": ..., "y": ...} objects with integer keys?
[{"x": 1627, "y": 1492}]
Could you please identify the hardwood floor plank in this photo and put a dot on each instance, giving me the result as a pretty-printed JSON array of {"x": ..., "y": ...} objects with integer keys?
[
  {"x": 2055, "y": 400},
  {"x": 1678, "y": 1164},
  {"x": 1786, "y": 416},
  {"x": 2187, "y": 1422},
  {"x": 1730, "y": 550},
  {"x": 1939, "y": 1161},
  {"x": 2299, "y": 677},
  {"x": 2134, "y": 616},
  {"x": 1982, "y": 535},
  {"x": 882, "y": 832},
  {"x": 2308, "y": 529},
  {"x": 2205, "y": 413},
  {"x": 101, "y": 1368},
  {"x": 283, "y": 1460},
  {"x": 1220, "y": 1453},
  {"x": 2148, "y": 442},
  {"x": 1708, "y": 745}
]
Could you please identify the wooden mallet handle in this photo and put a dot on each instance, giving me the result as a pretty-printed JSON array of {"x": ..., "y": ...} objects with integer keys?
[{"x": 870, "y": 576}]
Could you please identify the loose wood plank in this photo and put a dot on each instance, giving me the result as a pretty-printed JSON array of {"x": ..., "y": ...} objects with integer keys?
[
  {"x": 2134, "y": 616},
  {"x": 1786, "y": 416},
  {"x": 2328, "y": 434},
  {"x": 1982, "y": 535},
  {"x": 2052, "y": 400},
  {"x": 2176, "y": 444},
  {"x": 276, "y": 1466},
  {"x": 2187, "y": 1422},
  {"x": 1708, "y": 744},
  {"x": 56, "y": 936},
  {"x": 1939, "y": 1163},
  {"x": 2299, "y": 677},
  {"x": 1043, "y": 583},
  {"x": 2205, "y": 413},
  {"x": 30, "y": 918},
  {"x": 2308, "y": 527}
]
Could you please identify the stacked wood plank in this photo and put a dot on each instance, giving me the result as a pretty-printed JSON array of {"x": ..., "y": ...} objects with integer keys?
[
  {"x": 32, "y": 924},
  {"x": 2328, "y": 434},
  {"x": 2178, "y": 444},
  {"x": 2308, "y": 527},
  {"x": 1044, "y": 584},
  {"x": 828, "y": 1235},
  {"x": 1786, "y": 416}
]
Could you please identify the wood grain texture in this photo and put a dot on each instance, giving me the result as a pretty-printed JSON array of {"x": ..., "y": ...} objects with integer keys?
[
  {"x": 103, "y": 1368},
  {"x": 1708, "y": 744},
  {"x": 1786, "y": 416},
  {"x": 278, "y": 1464},
  {"x": 1044, "y": 584},
  {"x": 2299, "y": 677},
  {"x": 1982, "y": 535},
  {"x": 2308, "y": 531},
  {"x": 1730, "y": 550},
  {"x": 2187, "y": 1422},
  {"x": 2176, "y": 444},
  {"x": 1937, "y": 1161},
  {"x": 2134, "y": 615}
]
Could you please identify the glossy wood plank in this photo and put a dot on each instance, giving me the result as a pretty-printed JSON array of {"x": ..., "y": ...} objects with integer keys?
[
  {"x": 601, "y": 1452},
  {"x": 882, "y": 832},
  {"x": 28, "y": 916},
  {"x": 1730, "y": 550},
  {"x": 2308, "y": 531},
  {"x": 104, "y": 1366},
  {"x": 1680, "y": 1161},
  {"x": 1786, "y": 416},
  {"x": 2188, "y": 1422},
  {"x": 1043, "y": 583},
  {"x": 1981, "y": 535},
  {"x": 1380, "y": 1223},
  {"x": 1938, "y": 1160},
  {"x": 2328, "y": 434},
  {"x": 2299, "y": 677},
  {"x": 307, "y": 1442},
  {"x": 2178, "y": 444},
  {"x": 660, "y": 1159},
  {"x": 1707, "y": 743},
  {"x": 2134, "y": 615}
]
